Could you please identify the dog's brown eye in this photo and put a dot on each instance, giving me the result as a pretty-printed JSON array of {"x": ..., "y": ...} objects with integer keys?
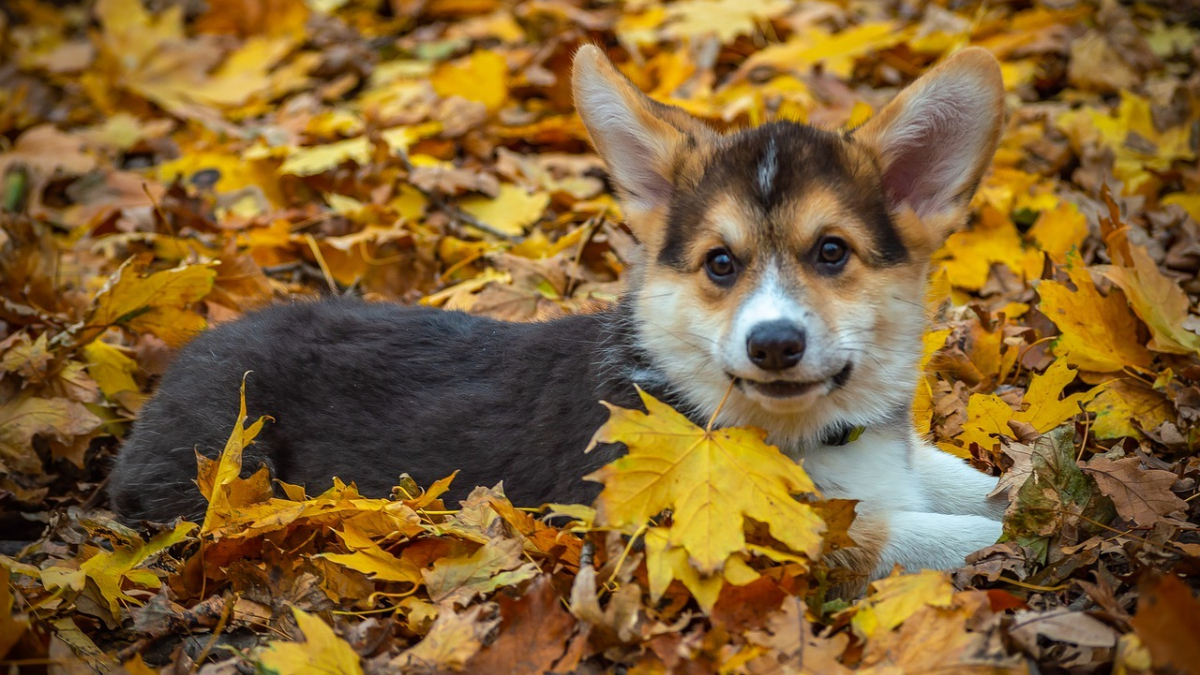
[
  {"x": 720, "y": 265},
  {"x": 833, "y": 252}
]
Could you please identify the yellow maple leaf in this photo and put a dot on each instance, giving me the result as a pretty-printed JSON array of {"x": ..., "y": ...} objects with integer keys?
[
  {"x": 1098, "y": 332},
  {"x": 898, "y": 597},
  {"x": 108, "y": 570},
  {"x": 151, "y": 56},
  {"x": 110, "y": 368},
  {"x": 988, "y": 415},
  {"x": 923, "y": 401},
  {"x": 1158, "y": 300},
  {"x": 254, "y": 70},
  {"x": 234, "y": 172},
  {"x": 482, "y": 77},
  {"x": 666, "y": 562},
  {"x": 229, "y": 468},
  {"x": 511, "y": 211},
  {"x": 726, "y": 19},
  {"x": 369, "y": 558},
  {"x": 321, "y": 652},
  {"x": 1187, "y": 201},
  {"x": 836, "y": 50},
  {"x": 1133, "y": 162},
  {"x": 712, "y": 480},
  {"x": 155, "y": 303},
  {"x": 315, "y": 159},
  {"x": 1043, "y": 409},
  {"x": 1059, "y": 230},
  {"x": 1124, "y": 402},
  {"x": 968, "y": 255},
  {"x": 24, "y": 416}
]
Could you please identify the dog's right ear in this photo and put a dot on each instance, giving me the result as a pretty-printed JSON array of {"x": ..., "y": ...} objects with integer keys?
[{"x": 641, "y": 140}]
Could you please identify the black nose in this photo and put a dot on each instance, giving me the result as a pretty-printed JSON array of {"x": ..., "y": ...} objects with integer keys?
[{"x": 775, "y": 345}]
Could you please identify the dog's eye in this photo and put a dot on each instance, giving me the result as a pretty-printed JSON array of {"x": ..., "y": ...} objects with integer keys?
[
  {"x": 832, "y": 253},
  {"x": 720, "y": 265}
]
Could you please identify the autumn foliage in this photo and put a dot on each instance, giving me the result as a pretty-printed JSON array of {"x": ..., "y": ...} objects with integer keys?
[{"x": 167, "y": 165}]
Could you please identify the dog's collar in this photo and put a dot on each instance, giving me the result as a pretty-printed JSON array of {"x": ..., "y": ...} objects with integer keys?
[{"x": 842, "y": 434}]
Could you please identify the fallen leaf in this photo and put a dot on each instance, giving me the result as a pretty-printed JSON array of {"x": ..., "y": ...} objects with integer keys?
[
  {"x": 109, "y": 570},
  {"x": 836, "y": 51},
  {"x": 24, "y": 416},
  {"x": 110, "y": 368},
  {"x": 482, "y": 77},
  {"x": 512, "y": 210},
  {"x": 1056, "y": 494},
  {"x": 1158, "y": 302},
  {"x": 45, "y": 150},
  {"x": 712, "y": 480},
  {"x": 726, "y": 19},
  {"x": 321, "y": 652},
  {"x": 155, "y": 303},
  {"x": 367, "y": 557},
  {"x": 12, "y": 627},
  {"x": 451, "y": 643},
  {"x": 896, "y": 598},
  {"x": 1062, "y": 625},
  {"x": 988, "y": 416},
  {"x": 498, "y": 563},
  {"x": 227, "y": 491},
  {"x": 1168, "y": 621},
  {"x": 1141, "y": 496},
  {"x": 1098, "y": 332},
  {"x": 531, "y": 636},
  {"x": 1126, "y": 406}
]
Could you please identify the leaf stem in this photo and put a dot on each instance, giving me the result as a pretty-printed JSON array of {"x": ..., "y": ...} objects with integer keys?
[
  {"x": 713, "y": 419},
  {"x": 625, "y": 553}
]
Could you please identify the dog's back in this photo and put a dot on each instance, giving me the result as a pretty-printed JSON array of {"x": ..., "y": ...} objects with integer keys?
[{"x": 366, "y": 392}]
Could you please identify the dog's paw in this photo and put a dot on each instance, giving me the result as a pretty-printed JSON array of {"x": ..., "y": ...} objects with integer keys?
[{"x": 934, "y": 540}]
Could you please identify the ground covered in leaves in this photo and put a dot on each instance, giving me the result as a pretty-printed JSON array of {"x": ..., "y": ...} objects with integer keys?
[{"x": 167, "y": 165}]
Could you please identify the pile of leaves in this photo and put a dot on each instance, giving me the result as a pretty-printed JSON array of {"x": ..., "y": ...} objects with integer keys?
[{"x": 172, "y": 164}]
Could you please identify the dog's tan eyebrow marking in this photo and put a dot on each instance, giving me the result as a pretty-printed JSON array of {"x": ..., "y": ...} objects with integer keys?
[{"x": 725, "y": 216}]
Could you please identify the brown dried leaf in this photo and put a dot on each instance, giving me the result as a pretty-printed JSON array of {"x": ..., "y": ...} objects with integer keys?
[
  {"x": 533, "y": 636},
  {"x": 1142, "y": 496},
  {"x": 452, "y": 641}
]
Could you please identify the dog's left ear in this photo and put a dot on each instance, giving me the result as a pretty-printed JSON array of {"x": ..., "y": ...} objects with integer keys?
[{"x": 935, "y": 139}]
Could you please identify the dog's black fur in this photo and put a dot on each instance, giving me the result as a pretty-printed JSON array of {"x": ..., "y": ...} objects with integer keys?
[{"x": 367, "y": 391}]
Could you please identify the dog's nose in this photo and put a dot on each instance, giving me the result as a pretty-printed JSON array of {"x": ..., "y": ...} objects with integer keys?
[{"x": 775, "y": 345}]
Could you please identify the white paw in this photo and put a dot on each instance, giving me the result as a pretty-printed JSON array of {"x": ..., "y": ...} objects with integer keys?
[{"x": 937, "y": 541}]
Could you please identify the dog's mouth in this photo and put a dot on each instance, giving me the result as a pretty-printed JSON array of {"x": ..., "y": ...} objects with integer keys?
[{"x": 783, "y": 389}]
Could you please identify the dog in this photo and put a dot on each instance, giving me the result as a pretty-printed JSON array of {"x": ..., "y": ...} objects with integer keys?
[{"x": 783, "y": 264}]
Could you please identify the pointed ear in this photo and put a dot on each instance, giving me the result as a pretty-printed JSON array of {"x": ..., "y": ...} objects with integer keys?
[
  {"x": 935, "y": 139},
  {"x": 639, "y": 139}
]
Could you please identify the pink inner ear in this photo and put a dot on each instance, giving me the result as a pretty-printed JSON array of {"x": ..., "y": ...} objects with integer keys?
[
  {"x": 631, "y": 161},
  {"x": 627, "y": 144},
  {"x": 933, "y": 150}
]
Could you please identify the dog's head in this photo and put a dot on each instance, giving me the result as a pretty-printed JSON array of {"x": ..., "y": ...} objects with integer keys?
[{"x": 789, "y": 260}]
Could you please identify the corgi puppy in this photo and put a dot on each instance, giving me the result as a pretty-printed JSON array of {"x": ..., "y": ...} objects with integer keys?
[{"x": 784, "y": 260}]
